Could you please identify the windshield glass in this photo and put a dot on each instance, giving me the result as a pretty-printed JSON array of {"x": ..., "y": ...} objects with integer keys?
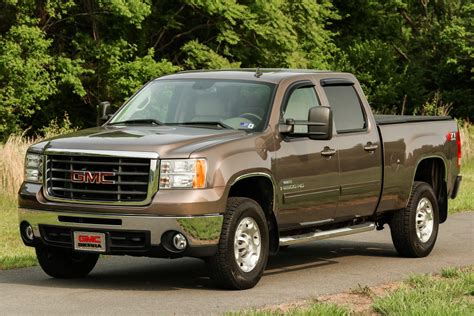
[{"x": 201, "y": 102}]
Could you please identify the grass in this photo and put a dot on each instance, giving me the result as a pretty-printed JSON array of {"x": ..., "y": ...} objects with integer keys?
[
  {"x": 465, "y": 199},
  {"x": 12, "y": 156},
  {"x": 13, "y": 254},
  {"x": 450, "y": 294},
  {"x": 362, "y": 290},
  {"x": 315, "y": 309}
]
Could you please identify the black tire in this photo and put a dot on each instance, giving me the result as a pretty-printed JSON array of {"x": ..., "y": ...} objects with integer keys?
[
  {"x": 403, "y": 224},
  {"x": 224, "y": 268},
  {"x": 65, "y": 264}
]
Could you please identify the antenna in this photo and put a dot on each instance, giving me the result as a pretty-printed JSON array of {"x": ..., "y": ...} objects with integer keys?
[{"x": 258, "y": 73}]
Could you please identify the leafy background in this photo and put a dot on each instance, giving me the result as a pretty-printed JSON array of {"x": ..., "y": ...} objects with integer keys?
[{"x": 61, "y": 57}]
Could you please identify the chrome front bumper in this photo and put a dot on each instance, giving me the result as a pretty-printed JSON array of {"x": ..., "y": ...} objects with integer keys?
[{"x": 199, "y": 230}]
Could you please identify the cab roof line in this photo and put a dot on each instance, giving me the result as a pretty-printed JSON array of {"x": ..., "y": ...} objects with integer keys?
[{"x": 262, "y": 70}]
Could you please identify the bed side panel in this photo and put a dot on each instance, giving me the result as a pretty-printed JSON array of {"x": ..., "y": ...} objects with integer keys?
[{"x": 405, "y": 145}]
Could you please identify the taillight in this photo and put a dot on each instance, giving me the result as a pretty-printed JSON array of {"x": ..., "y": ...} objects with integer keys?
[
  {"x": 458, "y": 143},
  {"x": 456, "y": 136}
]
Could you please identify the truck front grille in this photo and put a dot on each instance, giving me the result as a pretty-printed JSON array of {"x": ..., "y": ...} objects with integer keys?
[{"x": 90, "y": 178}]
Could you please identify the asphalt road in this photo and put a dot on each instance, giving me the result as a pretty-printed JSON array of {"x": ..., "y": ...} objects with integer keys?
[{"x": 123, "y": 285}]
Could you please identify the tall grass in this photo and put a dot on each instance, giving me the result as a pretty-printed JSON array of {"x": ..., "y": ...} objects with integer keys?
[
  {"x": 12, "y": 155},
  {"x": 466, "y": 130}
]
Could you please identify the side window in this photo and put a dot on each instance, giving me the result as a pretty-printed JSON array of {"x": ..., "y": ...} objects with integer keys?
[
  {"x": 346, "y": 108},
  {"x": 299, "y": 103}
]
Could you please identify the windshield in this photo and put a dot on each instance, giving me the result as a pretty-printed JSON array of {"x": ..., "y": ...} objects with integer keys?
[{"x": 200, "y": 103}]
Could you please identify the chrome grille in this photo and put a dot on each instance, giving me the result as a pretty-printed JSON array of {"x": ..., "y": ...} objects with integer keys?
[{"x": 96, "y": 178}]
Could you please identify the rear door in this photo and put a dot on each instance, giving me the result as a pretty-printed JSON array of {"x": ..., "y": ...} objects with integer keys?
[
  {"x": 306, "y": 170},
  {"x": 359, "y": 151}
]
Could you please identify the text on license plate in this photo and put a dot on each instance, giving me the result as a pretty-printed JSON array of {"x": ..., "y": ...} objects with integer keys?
[{"x": 89, "y": 241}]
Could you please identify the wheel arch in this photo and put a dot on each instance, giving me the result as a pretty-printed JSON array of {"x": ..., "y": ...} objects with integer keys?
[
  {"x": 259, "y": 186},
  {"x": 433, "y": 170}
]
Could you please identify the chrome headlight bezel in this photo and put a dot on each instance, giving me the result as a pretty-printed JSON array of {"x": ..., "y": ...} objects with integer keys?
[
  {"x": 183, "y": 174},
  {"x": 33, "y": 167}
]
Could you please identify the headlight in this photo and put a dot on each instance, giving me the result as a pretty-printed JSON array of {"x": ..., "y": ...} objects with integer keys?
[
  {"x": 183, "y": 174},
  {"x": 33, "y": 167}
]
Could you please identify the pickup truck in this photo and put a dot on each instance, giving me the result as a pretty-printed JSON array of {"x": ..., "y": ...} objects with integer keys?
[{"x": 232, "y": 166}]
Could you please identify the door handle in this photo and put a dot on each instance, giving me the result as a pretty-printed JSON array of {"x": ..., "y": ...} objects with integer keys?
[
  {"x": 370, "y": 147},
  {"x": 328, "y": 152}
]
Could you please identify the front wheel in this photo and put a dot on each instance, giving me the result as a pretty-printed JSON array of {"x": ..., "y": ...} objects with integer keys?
[
  {"x": 414, "y": 229},
  {"x": 65, "y": 264},
  {"x": 243, "y": 246}
]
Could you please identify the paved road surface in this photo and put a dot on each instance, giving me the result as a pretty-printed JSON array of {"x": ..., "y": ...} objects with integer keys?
[{"x": 123, "y": 285}]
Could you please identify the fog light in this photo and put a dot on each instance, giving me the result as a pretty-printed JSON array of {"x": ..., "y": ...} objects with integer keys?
[
  {"x": 179, "y": 241},
  {"x": 27, "y": 232}
]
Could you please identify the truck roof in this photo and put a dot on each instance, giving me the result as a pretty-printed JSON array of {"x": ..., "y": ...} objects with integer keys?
[{"x": 273, "y": 75}]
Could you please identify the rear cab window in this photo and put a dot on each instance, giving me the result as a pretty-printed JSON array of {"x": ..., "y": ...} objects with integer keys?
[{"x": 348, "y": 112}]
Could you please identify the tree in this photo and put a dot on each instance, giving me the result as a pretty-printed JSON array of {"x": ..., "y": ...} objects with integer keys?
[{"x": 410, "y": 50}]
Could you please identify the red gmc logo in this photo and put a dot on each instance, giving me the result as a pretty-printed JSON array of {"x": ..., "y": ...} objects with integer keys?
[
  {"x": 90, "y": 239},
  {"x": 92, "y": 177}
]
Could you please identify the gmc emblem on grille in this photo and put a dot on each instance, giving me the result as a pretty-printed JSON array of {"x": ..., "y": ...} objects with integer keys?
[{"x": 92, "y": 177}]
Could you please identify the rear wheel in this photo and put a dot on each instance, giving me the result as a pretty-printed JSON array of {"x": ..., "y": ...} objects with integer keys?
[
  {"x": 65, "y": 264},
  {"x": 243, "y": 246},
  {"x": 415, "y": 229}
]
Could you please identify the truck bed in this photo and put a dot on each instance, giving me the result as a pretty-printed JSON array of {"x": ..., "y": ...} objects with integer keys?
[{"x": 383, "y": 119}]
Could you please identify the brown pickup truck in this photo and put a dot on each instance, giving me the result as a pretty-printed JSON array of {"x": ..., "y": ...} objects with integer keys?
[{"x": 233, "y": 165}]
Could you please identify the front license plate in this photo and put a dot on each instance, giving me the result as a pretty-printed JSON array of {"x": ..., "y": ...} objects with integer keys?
[{"x": 89, "y": 241}]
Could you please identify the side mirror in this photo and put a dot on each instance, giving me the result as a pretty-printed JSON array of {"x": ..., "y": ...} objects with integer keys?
[
  {"x": 320, "y": 119},
  {"x": 104, "y": 112},
  {"x": 319, "y": 124}
]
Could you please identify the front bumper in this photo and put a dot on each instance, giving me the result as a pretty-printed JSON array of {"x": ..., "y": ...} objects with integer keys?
[{"x": 201, "y": 232}]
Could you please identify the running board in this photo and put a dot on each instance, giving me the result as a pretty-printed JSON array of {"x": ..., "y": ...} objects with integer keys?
[{"x": 299, "y": 239}]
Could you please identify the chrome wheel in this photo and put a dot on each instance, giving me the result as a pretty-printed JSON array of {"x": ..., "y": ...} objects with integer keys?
[
  {"x": 247, "y": 244},
  {"x": 424, "y": 219}
]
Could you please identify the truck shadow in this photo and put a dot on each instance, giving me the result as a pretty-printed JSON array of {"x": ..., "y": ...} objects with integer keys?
[
  {"x": 145, "y": 274},
  {"x": 324, "y": 253}
]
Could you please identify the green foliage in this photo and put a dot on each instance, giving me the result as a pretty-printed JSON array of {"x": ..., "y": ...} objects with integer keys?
[
  {"x": 201, "y": 56},
  {"x": 58, "y": 56},
  {"x": 425, "y": 295},
  {"x": 435, "y": 106},
  {"x": 315, "y": 309},
  {"x": 135, "y": 11},
  {"x": 13, "y": 254},
  {"x": 57, "y": 127},
  {"x": 408, "y": 50}
]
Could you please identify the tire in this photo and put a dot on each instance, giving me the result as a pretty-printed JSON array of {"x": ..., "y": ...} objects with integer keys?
[
  {"x": 65, "y": 264},
  {"x": 232, "y": 270},
  {"x": 410, "y": 241}
]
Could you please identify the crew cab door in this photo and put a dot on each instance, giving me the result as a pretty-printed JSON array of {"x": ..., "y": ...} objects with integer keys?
[
  {"x": 359, "y": 150},
  {"x": 306, "y": 170}
]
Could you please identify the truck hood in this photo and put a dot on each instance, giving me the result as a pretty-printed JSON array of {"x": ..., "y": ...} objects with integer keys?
[{"x": 167, "y": 141}]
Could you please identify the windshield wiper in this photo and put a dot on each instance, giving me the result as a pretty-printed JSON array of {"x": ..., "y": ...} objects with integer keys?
[
  {"x": 213, "y": 123},
  {"x": 138, "y": 121}
]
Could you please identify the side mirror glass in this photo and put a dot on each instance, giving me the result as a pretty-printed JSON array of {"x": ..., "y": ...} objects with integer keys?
[{"x": 104, "y": 112}]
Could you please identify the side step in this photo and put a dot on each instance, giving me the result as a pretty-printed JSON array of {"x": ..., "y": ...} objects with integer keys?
[{"x": 319, "y": 235}]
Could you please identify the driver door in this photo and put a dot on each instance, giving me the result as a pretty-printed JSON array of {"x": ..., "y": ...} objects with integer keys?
[{"x": 308, "y": 179}]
